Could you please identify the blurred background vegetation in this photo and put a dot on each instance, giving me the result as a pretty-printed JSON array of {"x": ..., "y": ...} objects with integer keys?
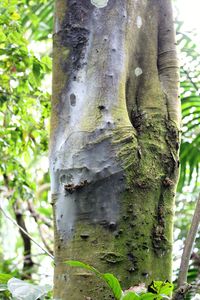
[{"x": 25, "y": 88}]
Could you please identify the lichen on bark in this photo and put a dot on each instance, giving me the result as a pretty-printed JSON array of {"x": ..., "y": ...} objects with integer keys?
[{"x": 114, "y": 142}]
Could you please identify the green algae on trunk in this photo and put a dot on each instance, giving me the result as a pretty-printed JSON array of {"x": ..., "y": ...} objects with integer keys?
[{"x": 114, "y": 143}]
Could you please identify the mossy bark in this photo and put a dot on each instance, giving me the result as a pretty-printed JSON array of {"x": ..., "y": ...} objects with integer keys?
[{"x": 114, "y": 143}]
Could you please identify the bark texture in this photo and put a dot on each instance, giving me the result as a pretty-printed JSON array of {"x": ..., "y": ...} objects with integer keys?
[{"x": 114, "y": 142}]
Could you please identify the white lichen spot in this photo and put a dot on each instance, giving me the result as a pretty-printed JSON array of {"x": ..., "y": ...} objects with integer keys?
[
  {"x": 138, "y": 72},
  {"x": 139, "y": 22},
  {"x": 56, "y": 26},
  {"x": 99, "y": 3}
]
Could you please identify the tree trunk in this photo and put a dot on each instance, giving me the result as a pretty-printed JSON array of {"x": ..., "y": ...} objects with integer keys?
[{"x": 114, "y": 142}]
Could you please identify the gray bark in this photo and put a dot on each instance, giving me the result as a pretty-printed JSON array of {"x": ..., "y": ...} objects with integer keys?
[{"x": 114, "y": 141}]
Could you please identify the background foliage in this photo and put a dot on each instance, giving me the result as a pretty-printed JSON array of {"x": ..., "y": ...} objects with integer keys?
[
  {"x": 24, "y": 120},
  {"x": 25, "y": 70}
]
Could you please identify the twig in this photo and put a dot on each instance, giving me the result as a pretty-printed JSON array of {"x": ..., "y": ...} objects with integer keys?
[
  {"x": 181, "y": 292},
  {"x": 24, "y": 231},
  {"x": 182, "y": 285},
  {"x": 28, "y": 262},
  {"x": 42, "y": 188},
  {"x": 36, "y": 217},
  {"x": 182, "y": 278}
]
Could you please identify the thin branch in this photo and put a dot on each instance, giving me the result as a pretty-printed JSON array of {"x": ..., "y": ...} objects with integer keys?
[
  {"x": 42, "y": 188},
  {"x": 28, "y": 262},
  {"x": 36, "y": 217},
  {"x": 182, "y": 278},
  {"x": 24, "y": 231},
  {"x": 182, "y": 285},
  {"x": 43, "y": 240},
  {"x": 181, "y": 292}
]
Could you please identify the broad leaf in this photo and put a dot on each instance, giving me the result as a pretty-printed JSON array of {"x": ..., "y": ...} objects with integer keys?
[
  {"x": 4, "y": 278},
  {"x": 160, "y": 288},
  {"x": 110, "y": 279},
  {"x": 131, "y": 296},
  {"x": 114, "y": 285},
  {"x": 75, "y": 263},
  {"x": 166, "y": 288},
  {"x": 22, "y": 290},
  {"x": 148, "y": 296},
  {"x": 3, "y": 287}
]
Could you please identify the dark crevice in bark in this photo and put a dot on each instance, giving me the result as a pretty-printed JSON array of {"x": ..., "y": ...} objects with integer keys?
[
  {"x": 74, "y": 34},
  {"x": 159, "y": 241},
  {"x": 136, "y": 116},
  {"x": 173, "y": 141},
  {"x": 76, "y": 38}
]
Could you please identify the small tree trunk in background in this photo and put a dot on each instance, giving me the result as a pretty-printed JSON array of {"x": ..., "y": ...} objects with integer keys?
[{"x": 114, "y": 142}]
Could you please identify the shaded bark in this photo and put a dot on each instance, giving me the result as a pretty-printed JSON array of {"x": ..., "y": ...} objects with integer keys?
[{"x": 114, "y": 142}]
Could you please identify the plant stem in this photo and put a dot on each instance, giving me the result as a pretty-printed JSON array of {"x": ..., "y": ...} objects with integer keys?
[
  {"x": 182, "y": 285},
  {"x": 25, "y": 232}
]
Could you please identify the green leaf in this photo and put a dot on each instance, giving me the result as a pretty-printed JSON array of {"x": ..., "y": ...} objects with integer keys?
[
  {"x": 3, "y": 287},
  {"x": 45, "y": 211},
  {"x": 131, "y": 296},
  {"x": 160, "y": 287},
  {"x": 75, "y": 263},
  {"x": 2, "y": 37},
  {"x": 114, "y": 285},
  {"x": 153, "y": 287},
  {"x": 4, "y": 278},
  {"x": 110, "y": 279},
  {"x": 23, "y": 290},
  {"x": 147, "y": 296},
  {"x": 166, "y": 288},
  {"x": 47, "y": 61},
  {"x": 36, "y": 69},
  {"x": 15, "y": 16}
]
